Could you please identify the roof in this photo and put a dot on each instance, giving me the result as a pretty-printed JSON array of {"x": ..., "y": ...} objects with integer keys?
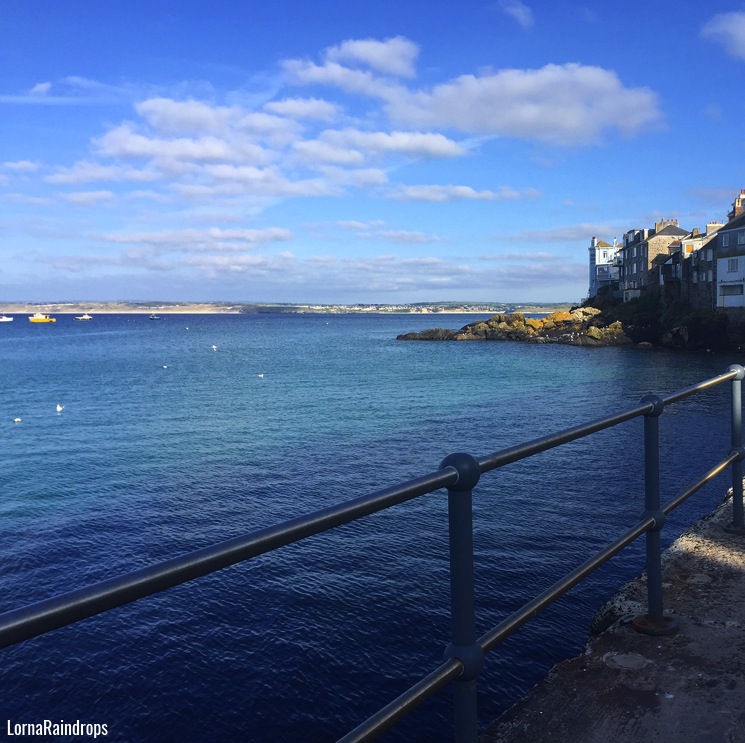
[
  {"x": 734, "y": 224},
  {"x": 671, "y": 229},
  {"x": 603, "y": 244}
]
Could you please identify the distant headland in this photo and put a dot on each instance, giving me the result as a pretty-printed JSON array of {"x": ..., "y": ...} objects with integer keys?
[{"x": 262, "y": 308}]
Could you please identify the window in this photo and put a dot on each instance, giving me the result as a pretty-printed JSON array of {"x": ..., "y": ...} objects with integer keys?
[
  {"x": 731, "y": 290},
  {"x": 710, "y": 276},
  {"x": 731, "y": 265},
  {"x": 725, "y": 240},
  {"x": 708, "y": 254},
  {"x": 741, "y": 237},
  {"x": 633, "y": 252}
]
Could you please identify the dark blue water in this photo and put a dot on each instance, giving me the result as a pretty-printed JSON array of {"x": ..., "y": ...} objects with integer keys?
[{"x": 166, "y": 445}]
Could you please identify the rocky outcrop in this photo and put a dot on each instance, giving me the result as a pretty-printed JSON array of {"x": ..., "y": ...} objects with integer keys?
[{"x": 583, "y": 326}]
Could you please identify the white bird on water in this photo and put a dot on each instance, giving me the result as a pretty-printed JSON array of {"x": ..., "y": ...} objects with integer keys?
[
  {"x": 214, "y": 348},
  {"x": 16, "y": 420},
  {"x": 261, "y": 376},
  {"x": 60, "y": 408}
]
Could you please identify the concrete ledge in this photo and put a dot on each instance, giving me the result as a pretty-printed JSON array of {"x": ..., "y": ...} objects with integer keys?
[{"x": 689, "y": 688}]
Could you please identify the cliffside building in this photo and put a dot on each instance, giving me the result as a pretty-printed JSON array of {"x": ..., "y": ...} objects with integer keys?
[
  {"x": 604, "y": 265},
  {"x": 730, "y": 260},
  {"x": 642, "y": 254}
]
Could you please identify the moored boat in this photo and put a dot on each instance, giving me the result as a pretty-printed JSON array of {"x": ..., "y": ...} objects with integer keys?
[
  {"x": 86, "y": 316},
  {"x": 5, "y": 318},
  {"x": 154, "y": 317},
  {"x": 41, "y": 317}
]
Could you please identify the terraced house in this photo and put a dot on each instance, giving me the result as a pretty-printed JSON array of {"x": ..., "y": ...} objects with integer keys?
[
  {"x": 643, "y": 252},
  {"x": 730, "y": 262},
  {"x": 705, "y": 269}
]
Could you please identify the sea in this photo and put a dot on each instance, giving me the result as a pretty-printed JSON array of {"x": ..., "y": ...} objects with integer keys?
[{"x": 179, "y": 433}]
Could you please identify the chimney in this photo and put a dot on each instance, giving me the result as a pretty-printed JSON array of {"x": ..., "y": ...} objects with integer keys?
[
  {"x": 696, "y": 232},
  {"x": 737, "y": 206}
]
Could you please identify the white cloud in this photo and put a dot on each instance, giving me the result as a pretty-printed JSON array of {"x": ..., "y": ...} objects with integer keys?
[
  {"x": 408, "y": 237},
  {"x": 356, "y": 177},
  {"x": 304, "y": 108},
  {"x": 437, "y": 193},
  {"x": 414, "y": 144},
  {"x": 86, "y": 198},
  {"x": 20, "y": 198},
  {"x": 87, "y": 172},
  {"x": 355, "y": 224},
  {"x": 124, "y": 142},
  {"x": 22, "y": 166},
  {"x": 727, "y": 29},
  {"x": 395, "y": 56},
  {"x": 237, "y": 179},
  {"x": 567, "y": 104},
  {"x": 331, "y": 73},
  {"x": 571, "y": 233},
  {"x": 201, "y": 240},
  {"x": 531, "y": 257},
  {"x": 315, "y": 151},
  {"x": 171, "y": 117},
  {"x": 41, "y": 89},
  {"x": 518, "y": 12}
]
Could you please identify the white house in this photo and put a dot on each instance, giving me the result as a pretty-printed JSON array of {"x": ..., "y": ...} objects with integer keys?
[
  {"x": 730, "y": 256},
  {"x": 604, "y": 269}
]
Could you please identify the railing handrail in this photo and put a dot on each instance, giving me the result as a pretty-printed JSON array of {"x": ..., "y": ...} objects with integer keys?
[{"x": 459, "y": 478}]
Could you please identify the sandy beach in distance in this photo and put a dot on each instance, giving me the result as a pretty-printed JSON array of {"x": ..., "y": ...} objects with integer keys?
[{"x": 103, "y": 308}]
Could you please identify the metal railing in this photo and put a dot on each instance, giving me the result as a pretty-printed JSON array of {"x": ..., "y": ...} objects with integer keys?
[{"x": 459, "y": 473}]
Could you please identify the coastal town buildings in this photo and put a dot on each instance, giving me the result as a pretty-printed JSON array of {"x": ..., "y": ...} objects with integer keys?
[{"x": 705, "y": 269}]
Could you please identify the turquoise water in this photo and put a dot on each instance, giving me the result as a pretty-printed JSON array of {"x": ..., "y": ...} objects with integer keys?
[{"x": 166, "y": 445}]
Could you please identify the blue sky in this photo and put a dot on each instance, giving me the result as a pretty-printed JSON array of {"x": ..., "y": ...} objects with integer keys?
[{"x": 354, "y": 151}]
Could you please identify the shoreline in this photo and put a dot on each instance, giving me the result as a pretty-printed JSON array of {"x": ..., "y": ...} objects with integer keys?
[{"x": 212, "y": 309}]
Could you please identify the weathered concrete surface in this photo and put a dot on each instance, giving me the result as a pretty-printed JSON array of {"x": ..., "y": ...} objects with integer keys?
[{"x": 689, "y": 688}]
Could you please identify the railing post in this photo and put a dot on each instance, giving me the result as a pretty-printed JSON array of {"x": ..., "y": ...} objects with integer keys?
[
  {"x": 463, "y": 646},
  {"x": 655, "y": 622},
  {"x": 738, "y": 521}
]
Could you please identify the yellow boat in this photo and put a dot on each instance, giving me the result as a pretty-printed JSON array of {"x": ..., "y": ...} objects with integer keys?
[{"x": 40, "y": 317}]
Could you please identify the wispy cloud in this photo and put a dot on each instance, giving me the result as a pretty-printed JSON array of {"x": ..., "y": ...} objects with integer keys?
[
  {"x": 439, "y": 193},
  {"x": 41, "y": 89},
  {"x": 518, "y": 11},
  {"x": 22, "y": 166},
  {"x": 728, "y": 30}
]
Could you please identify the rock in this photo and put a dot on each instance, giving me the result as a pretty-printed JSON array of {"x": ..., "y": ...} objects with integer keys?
[
  {"x": 435, "y": 334},
  {"x": 582, "y": 326}
]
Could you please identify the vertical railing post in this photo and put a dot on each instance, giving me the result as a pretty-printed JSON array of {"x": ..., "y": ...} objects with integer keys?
[
  {"x": 738, "y": 521},
  {"x": 463, "y": 646},
  {"x": 654, "y": 622}
]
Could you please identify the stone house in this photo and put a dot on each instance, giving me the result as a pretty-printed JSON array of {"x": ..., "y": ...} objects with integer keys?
[
  {"x": 688, "y": 273},
  {"x": 643, "y": 252}
]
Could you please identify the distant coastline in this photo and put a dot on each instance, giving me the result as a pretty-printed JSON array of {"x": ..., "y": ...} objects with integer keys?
[{"x": 428, "y": 308}]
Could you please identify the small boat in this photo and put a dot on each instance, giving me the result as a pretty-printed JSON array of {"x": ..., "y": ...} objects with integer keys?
[
  {"x": 41, "y": 317},
  {"x": 5, "y": 318},
  {"x": 154, "y": 317},
  {"x": 86, "y": 316}
]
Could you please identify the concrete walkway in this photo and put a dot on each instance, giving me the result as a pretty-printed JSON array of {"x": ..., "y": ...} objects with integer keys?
[{"x": 628, "y": 687}]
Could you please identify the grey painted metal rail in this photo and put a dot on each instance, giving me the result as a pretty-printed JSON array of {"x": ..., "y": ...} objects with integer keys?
[{"x": 459, "y": 473}]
